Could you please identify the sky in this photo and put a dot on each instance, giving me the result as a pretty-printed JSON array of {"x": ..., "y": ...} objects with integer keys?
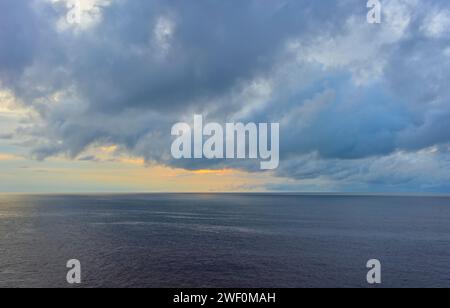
[{"x": 88, "y": 106}]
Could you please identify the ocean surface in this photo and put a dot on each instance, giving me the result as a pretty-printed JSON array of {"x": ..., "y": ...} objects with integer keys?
[{"x": 224, "y": 240}]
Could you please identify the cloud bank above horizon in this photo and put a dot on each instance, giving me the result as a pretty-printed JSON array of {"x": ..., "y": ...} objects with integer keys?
[{"x": 362, "y": 107}]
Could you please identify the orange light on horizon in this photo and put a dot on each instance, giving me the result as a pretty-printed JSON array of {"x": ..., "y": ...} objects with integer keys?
[
  {"x": 8, "y": 157},
  {"x": 215, "y": 172}
]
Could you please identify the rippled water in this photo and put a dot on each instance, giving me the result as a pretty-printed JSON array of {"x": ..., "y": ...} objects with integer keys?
[{"x": 224, "y": 240}]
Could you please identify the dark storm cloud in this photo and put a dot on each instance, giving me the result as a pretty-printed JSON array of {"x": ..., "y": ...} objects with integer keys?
[
  {"x": 18, "y": 37},
  {"x": 213, "y": 47}
]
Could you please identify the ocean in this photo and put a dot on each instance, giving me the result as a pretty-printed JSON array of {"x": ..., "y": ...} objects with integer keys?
[{"x": 224, "y": 240}]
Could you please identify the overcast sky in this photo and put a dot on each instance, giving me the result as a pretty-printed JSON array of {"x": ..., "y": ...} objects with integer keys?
[{"x": 89, "y": 106}]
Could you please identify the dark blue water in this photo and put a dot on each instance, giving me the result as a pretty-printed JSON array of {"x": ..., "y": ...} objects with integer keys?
[{"x": 224, "y": 240}]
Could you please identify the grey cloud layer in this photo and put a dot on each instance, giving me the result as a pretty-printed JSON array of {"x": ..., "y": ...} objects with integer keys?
[{"x": 343, "y": 90}]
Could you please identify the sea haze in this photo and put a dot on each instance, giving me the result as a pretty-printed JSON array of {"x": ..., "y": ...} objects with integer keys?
[{"x": 224, "y": 240}]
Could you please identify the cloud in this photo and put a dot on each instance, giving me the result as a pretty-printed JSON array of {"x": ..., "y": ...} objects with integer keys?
[
  {"x": 17, "y": 38},
  {"x": 90, "y": 158},
  {"x": 6, "y": 136},
  {"x": 437, "y": 24},
  {"x": 346, "y": 92},
  {"x": 396, "y": 172}
]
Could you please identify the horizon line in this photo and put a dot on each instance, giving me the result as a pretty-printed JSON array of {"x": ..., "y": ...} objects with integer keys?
[{"x": 291, "y": 193}]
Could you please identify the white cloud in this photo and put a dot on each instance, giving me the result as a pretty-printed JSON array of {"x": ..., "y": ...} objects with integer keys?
[
  {"x": 361, "y": 48},
  {"x": 9, "y": 107},
  {"x": 163, "y": 32},
  {"x": 437, "y": 24}
]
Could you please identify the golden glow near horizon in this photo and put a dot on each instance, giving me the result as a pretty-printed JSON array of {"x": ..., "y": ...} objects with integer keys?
[
  {"x": 8, "y": 157},
  {"x": 134, "y": 173},
  {"x": 116, "y": 168},
  {"x": 121, "y": 174},
  {"x": 160, "y": 178}
]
